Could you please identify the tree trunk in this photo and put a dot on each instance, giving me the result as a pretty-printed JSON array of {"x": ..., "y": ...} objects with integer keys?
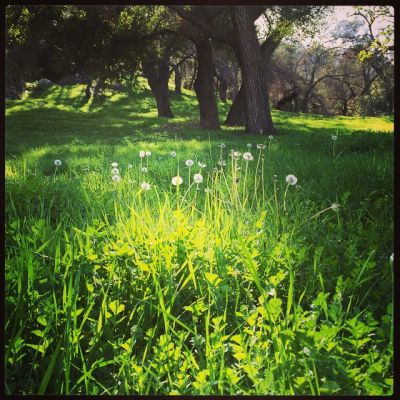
[
  {"x": 204, "y": 85},
  {"x": 258, "y": 113},
  {"x": 237, "y": 113},
  {"x": 178, "y": 79},
  {"x": 223, "y": 88},
  {"x": 157, "y": 74}
]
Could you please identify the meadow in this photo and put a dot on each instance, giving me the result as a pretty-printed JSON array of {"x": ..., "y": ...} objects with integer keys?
[{"x": 240, "y": 280}]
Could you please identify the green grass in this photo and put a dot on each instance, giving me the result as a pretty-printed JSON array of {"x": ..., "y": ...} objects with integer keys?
[{"x": 252, "y": 286}]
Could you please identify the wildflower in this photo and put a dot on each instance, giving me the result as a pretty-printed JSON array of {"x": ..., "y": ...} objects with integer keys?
[
  {"x": 272, "y": 292},
  {"x": 334, "y": 138},
  {"x": 173, "y": 153},
  {"x": 222, "y": 145},
  {"x": 144, "y": 169},
  {"x": 189, "y": 163},
  {"x": 148, "y": 153},
  {"x": 261, "y": 146},
  {"x": 291, "y": 180},
  {"x": 115, "y": 171},
  {"x": 221, "y": 163},
  {"x": 270, "y": 137},
  {"x": 145, "y": 186},
  {"x": 177, "y": 180},
  {"x": 114, "y": 165},
  {"x": 247, "y": 156},
  {"x": 116, "y": 178},
  {"x": 249, "y": 145},
  {"x": 130, "y": 166},
  {"x": 235, "y": 154},
  {"x": 201, "y": 164},
  {"x": 142, "y": 154},
  {"x": 198, "y": 178},
  {"x": 335, "y": 206},
  {"x": 57, "y": 163},
  {"x": 306, "y": 351},
  {"x": 392, "y": 257}
]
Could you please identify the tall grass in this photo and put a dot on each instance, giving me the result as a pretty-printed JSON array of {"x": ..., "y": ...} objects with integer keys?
[{"x": 241, "y": 284}]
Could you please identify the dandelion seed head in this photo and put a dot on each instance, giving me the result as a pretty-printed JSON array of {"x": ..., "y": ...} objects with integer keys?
[
  {"x": 142, "y": 154},
  {"x": 249, "y": 145},
  {"x": 270, "y": 137},
  {"x": 145, "y": 186},
  {"x": 130, "y": 166},
  {"x": 198, "y": 178},
  {"x": 335, "y": 206},
  {"x": 116, "y": 178},
  {"x": 201, "y": 164},
  {"x": 144, "y": 169},
  {"x": 334, "y": 138},
  {"x": 248, "y": 156},
  {"x": 177, "y": 180},
  {"x": 189, "y": 163},
  {"x": 261, "y": 146},
  {"x": 222, "y": 145},
  {"x": 221, "y": 163},
  {"x": 173, "y": 153},
  {"x": 306, "y": 351},
  {"x": 291, "y": 179},
  {"x": 115, "y": 171},
  {"x": 148, "y": 153},
  {"x": 57, "y": 163}
]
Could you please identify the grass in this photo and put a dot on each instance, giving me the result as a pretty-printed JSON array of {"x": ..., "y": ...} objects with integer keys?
[{"x": 251, "y": 286}]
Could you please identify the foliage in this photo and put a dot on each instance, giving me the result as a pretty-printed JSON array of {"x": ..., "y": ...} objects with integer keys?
[{"x": 251, "y": 287}]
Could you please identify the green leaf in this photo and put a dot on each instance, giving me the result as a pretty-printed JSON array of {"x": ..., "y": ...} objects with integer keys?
[
  {"x": 42, "y": 320},
  {"x": 329, "y": 387},
  {"x": 116, "y": 308}
]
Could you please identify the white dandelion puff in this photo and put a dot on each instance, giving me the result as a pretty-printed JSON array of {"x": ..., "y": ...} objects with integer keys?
[
  {"x": 145, "y": 186},
  {"x": 222, "y": 145},
  {"x": 198, "y": 178},
  {"x": 173, "y": 153},
  {"x": 116, "y": 178},
  {"x": 177, "y": 180},
  {"x": 270, "y": 137},
  {"x": 57, "y": 163},
  {"x": 291, "y": 179},
  {"x": 272, "y": 292},
  {"x": 306, "y": 351},
  {"x": 144, "y": 169},
  {"x": 201, "y": 164},
  {"x": 189, "y": 163},
  {"x": 130, "y": 166},
  {"x": 115, "y": 171},
  {"x": 335, "y": 206},
  {"x": 148, "y": 153},
  {"x": 248, "y": 156},
  {"x": 261, "y": 146},
  {"x": 221, "y": 163},
  {"x": 249, "y": 145},
  {"x": 114, "y": 165},
  {"x": 142, "y": 154},
  {"x": 334, "y": 138}
]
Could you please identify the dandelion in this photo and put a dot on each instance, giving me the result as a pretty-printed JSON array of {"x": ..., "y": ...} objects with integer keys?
[
  {"x": 145, "y": 186},
  {"x": 130, "y": 166},
  {"x": 335, "y": 206},
  {"x": 173, "y": 153},
  {"x": 177, "y": 180},
  {"x": 222, "y": 145},
  {"x": 207, "y": 190},
  {"x": 221, "y": 163},
  {"x": 249, "y": 145},
  {"x": 306, "y": 351},
  {"x": 248, "y": 156},
  {"x": 392, "y": 258},
  {"x": 144, "y": 169},
  {"x": 115, "y": 171},
  {"x": 198, "y": 178},
  {"x": 334, "y": 138},
  {"x": 261, "y": 146},
  {"x": 57, "y": 163},
  {"x": 291, "y": 179},
  {"x": 148, "y": 153},
  {"x": 114, "y": 165},
  {"x": 201, "y": 164},
  {"x": 235, "y": 154},
  {"x": 116, "y": 178},
  {"x": 142, "y": 154},
  {"x": 189, "y": 163},
  {"x": 270, "y": 137}
]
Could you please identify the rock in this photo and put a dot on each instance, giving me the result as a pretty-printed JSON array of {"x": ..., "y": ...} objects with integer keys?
[{"x": 45, "y": 82}]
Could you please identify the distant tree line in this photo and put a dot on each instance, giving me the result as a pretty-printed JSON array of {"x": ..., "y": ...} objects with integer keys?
[{"x": 218, "y": 51}]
